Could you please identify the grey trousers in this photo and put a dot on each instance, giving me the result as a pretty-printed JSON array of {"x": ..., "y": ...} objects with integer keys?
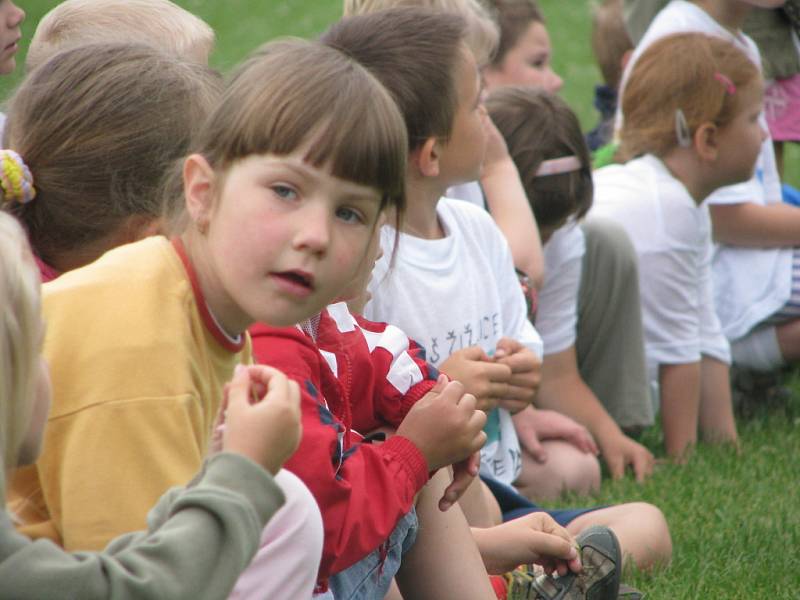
[{"x": 610, "y": 340}]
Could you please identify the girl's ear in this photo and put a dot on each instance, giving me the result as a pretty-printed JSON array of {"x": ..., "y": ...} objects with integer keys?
[
  {"x": 706, "y": 142},
  {"x": 198, "y": 186},
  {"x": 426, "y": 157}
]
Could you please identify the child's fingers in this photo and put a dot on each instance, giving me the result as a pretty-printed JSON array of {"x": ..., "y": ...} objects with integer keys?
[
  {"x": 238, "y": 388},
  {"x": 441, "y": 382}
]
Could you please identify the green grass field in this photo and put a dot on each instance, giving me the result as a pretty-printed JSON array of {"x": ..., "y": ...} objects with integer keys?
[{"x": 735, "y": 517}]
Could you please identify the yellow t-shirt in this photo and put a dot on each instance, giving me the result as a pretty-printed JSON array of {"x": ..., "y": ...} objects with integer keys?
[{"x": 138, "y": 367}]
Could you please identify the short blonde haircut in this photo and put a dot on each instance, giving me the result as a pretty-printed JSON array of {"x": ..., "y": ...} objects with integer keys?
[
  {"x": 20, "y": 330},
  {"x": 159, "y": 23},
  {"x": 483, "y": 33}
]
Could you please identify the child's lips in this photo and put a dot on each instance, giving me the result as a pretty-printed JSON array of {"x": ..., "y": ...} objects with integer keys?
[{"x": 296, "y": 282}]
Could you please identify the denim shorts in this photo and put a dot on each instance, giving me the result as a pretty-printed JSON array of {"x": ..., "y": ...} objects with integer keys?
[{"x": 370, "y": 577}]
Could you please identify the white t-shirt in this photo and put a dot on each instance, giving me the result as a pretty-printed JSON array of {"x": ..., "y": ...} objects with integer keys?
[
  {"x": 456, "y": 292},
  {"x": 672, "y": 237},
  {"x": 557, "y": 316},
  {"x": 749, "y": 284}
]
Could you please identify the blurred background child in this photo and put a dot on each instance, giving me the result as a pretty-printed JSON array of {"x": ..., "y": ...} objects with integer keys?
[
  {"x": 158, "y": 23},
  {"x": 755, "y": 231},
  {"x": 544, "y": 138},
  {"x": 611, "y": 46},
  {"x": 706, "y": 135}
]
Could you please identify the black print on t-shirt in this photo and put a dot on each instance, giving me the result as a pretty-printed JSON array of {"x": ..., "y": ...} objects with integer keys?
[{"x": 471, "y": 333}]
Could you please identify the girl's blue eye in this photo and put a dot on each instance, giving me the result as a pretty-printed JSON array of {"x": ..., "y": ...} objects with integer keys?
[
  {"x": 284, "y": 191},
  {"x": 349, "y": 215}
]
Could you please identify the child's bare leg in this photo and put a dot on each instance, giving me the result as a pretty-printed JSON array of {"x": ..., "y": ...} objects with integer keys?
[
  {"x": 641, "y": 528},
  {"x": 789, "y": 340},
  {"x": 717, "y": 422},
  {"x": 393, "y": 593},
  {"x": 567, "y": 469},
  {"x": 444, "y": 562},
  {"x": 479, "y": 505}
]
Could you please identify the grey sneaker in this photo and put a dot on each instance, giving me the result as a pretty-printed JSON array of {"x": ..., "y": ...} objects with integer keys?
[{"x": 599, "y": 580}]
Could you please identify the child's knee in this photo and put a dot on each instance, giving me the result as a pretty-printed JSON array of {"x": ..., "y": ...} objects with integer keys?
[
  {"x": 579, "y": 471},
  {"x": 655, "y": 530}
]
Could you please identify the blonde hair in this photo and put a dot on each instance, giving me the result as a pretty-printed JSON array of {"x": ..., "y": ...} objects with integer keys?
[
  {"x": 610, "y": 40},
  {"x": 99, "y": 126},
  {"x": 20, "y": 323},
  {"x": 482, "y": 35},
  {"x": 295, "y": 95},
  {"x": 159, "y": 23},
  {"x": 686, "y": 72}
]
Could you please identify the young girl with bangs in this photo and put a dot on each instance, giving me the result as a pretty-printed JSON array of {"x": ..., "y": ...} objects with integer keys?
[
  {"x": 200, "y": 538},
  {"x": 680, "y": 148},
  {"x": 141, "y": 341}
]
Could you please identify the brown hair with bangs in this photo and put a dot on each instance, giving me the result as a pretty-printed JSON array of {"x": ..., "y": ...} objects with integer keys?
[
  {"x": 296, "y": 94},
  {"x": 683, "y": 72},
  {"x": 539, "y": 126},
  {"x": 98, "y": 126},
  {"x": 514, "y": 17},
  {"x": 414, "y": 53}
]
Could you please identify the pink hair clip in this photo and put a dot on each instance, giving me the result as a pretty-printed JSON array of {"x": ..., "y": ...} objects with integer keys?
[
  {"x": 730, "y": 87},
  {"x": 556, "y": 166}
]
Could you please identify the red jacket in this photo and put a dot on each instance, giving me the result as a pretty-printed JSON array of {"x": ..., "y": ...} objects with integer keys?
[{"x": 357, "y": 377}]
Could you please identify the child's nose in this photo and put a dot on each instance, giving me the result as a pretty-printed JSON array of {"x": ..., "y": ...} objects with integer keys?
[
  {"x": 313, "y": 233},
  {"x": 555, "y": 82},
  {"x": 16, "y": 16}
]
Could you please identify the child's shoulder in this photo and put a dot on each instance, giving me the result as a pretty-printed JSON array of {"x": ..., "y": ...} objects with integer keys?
[
  {"x": 679, "y": 16},
  {"x": 467, "y": 218},
  {"x": 125, "y": 267},
  {"x": 628, "y": 188}
]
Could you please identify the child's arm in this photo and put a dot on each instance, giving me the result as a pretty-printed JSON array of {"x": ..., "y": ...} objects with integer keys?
[
  {"x": 510, "y": 208},
  {"x": 680, "y": 401},
  {"x": 756, "y": 225},
  {"x": 200, "y": 538},
  {"x": 564, "y": 390},
  {"x": 533, "y": 539}
]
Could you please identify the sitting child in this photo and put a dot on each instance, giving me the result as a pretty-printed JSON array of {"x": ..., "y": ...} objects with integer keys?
[
  {"x": 755, "y": 231},
  {"x": 149, "y": 399},
  {"x": 447, "y": 148},
  {"x": 499, "y": 188},
  {"x": 545, "y": 140},
  {"x": 682, "y": 148},
  {"x": 200, "y": 538}
]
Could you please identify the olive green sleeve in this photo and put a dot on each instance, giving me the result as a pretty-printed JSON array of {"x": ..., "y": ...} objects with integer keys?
[{"x": 200, "y": 539}]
